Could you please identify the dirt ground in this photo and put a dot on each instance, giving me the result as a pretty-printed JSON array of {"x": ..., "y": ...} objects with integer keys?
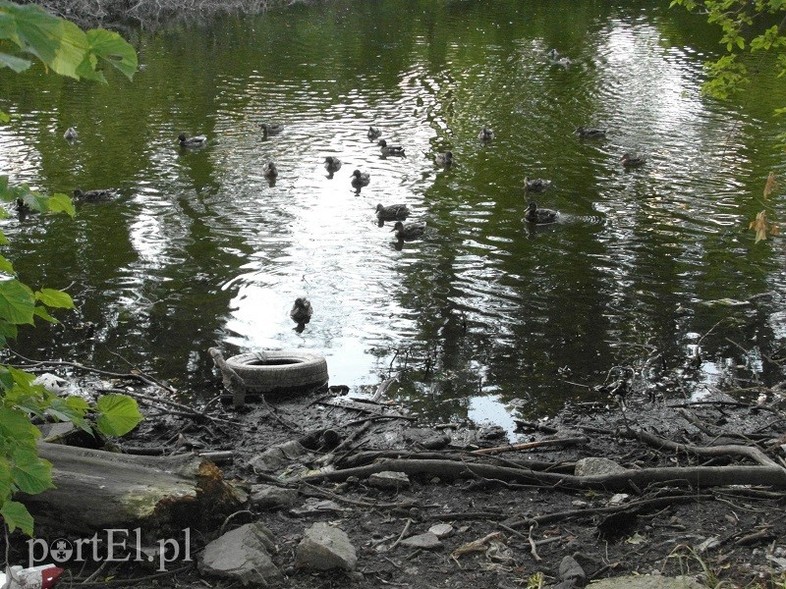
[{"x": 521, "y": 528}]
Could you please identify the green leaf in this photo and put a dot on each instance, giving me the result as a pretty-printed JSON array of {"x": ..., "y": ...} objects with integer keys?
[
  {"x": 5, "y": 264},
  {"x": 16, "y": 516},
  {"x": 15, "y": 425},
  {"x": 54, "y": 298},
  {"x": 5, "y": 479},
  {"x": 17, "y": 64},
  {"x": 41, "y": 312},
  {"x": 17, "y": 302},
  {"x": 114, "y": 50},
  {"x": 117, "y": 415},
  {"x": 4, "y": 118},
  {"x": 61, "y": 203},
  {"x": 32, "y": 474}
]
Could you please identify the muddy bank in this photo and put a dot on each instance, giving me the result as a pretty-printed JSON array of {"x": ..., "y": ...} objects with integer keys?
[{"x": 682, "y": 487}]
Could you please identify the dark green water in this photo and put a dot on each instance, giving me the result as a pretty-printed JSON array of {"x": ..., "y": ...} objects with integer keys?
[{"x": 485, "y": 317}]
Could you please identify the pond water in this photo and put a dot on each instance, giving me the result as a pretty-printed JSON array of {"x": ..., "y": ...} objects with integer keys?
[{"x": 485, "y": 317}]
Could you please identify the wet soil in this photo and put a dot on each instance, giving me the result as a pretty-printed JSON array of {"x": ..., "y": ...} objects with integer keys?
[{"x": 522, "y": 530}]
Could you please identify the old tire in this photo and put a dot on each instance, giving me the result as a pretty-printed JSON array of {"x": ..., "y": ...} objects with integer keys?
[{"x": 279, "y": 370}]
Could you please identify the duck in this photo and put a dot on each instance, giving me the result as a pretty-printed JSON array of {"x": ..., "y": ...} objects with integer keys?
[
  {"x": 409, "y": 231},
  {"x": 94, "y": 195},
  {"x": 301, "y": 311},
  {"x": 444, "y": 159},
  {"x": 360, "y": 179},
  {"x": 486, "y": 134},
  {"x": 632, "y": 161},
  {"x": 536, "y": 184},
  {"x": 271, "y": 128},
  {"x": 397, "y": 212},
  {"x": 270, "y": 171},
  {"x": 393, "y": 150},
  {"x": 191, "y": 142},
  {"x": 565, "y": 62},
  {"x": 70, "y": 135},
  {"x": 373, "y": 133},
  {"x": 332, "y": 165},
  {"x": 552, "y": 54},
  {"x": 590, "y": 132},
  {"x": 539, "y": 216}
]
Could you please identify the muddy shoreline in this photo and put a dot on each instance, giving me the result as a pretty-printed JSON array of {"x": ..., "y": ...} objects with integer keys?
[{"x": 526, "y": 524}]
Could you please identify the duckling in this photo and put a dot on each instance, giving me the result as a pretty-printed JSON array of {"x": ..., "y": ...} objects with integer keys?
[
  {"x": 632, "y": 161},
  {"x": 360, "y": 179},
  {"x": 392, "y": 150},
  {"x": 444, "y": 159},
  {"x": 332, "y": 165},
  {"x": 409, "y": 231},
  {"x": 70, "y": 135},
  {"x": 536, "y": 184},
  {"x": 191, "y": 142},
  {"x": 540, "y": 216},
  {"x": 486, "y": 134},
  {"x": 397, "y": 212},
  {"x": 271, "y": 129},
  {"x": 590, "y": 133},
  {"x": 301, "y": 311},
  {"x": 94, "y": 195},
  {"x": 552, "y": 54},
  {"x": 270, "y": 171},
  {"x": 565, "y": 62},
  {"x": 373, "y": 133}
]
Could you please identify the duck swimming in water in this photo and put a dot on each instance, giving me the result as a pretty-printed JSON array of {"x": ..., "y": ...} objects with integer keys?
[
  {"x": 444, "y": 159},
  {"x": 486, "y": 134},
  {"x": 270, "y": 171},
  {"x": 632, "y": 161},
  {"x": 373, "y": 133},
  {"x": 94, "y": 195},
  {"x": 360, "y": 179},
  {"x": 271, "y": 129},
  {"x": 536, "y": 184},
  {"x": 539, "y": 216},
  {"x": 301, "y": 311},
  {"x": 390, "y": 150},
  {"x": 409, "y": 231},
  {"x": 70, "y": 135},
  {"x": 397, "y": 212},
  {"x": 191, "y": 142},
  {"x": 590, "y": 133},
  {"x": 332, "y": 165}
]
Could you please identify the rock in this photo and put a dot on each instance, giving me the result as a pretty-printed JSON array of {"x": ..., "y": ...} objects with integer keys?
[
  {"x": 271, "y": 497},
  {"x": 388, "y": 479},
  {"x": 427, "y": 438},
  {"x": 427, "y": 541},
  {"x": 597, "y": 466},
  {"x": 325, "y": 547},
  {"x": 618, "y": 499},
  {"x": 277, "y": 457},
  {"x": 243, "y": 555},
  {"x": 647, "y": 582},
  {"x": 314, "y": 506},
  {"x": 570, "y": 571},
  {"x": 442, "y": 530}
]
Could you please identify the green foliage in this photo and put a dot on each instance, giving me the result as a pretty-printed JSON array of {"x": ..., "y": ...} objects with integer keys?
[
  {"x": 746, "y": 27},
  {"x": 28, "y": 33}
]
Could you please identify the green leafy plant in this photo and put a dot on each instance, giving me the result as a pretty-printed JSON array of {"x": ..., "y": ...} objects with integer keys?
[{"x": 28, "y": 34}]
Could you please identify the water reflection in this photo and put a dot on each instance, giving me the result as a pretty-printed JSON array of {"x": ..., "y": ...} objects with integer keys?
[{"x": 204, "y": 249}]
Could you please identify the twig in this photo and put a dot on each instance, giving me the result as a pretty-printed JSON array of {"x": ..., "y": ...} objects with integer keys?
[
  {"x": 529, "y": 445},
  {"x": 533, "y": 550},
  {"x": 401, "y": 535}
]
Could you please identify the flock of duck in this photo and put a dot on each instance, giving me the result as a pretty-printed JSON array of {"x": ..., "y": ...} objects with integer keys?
[{"x": 398, "y": 213}]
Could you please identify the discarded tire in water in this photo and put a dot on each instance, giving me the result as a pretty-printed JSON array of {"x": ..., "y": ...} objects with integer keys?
[{"x": 279, "y": 370}]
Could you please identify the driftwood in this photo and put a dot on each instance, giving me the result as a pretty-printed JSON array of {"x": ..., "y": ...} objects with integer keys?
[
  {"x": 693, "y": 476},
  {"x": 98, "y": 490},
  {"x": 233, "y": 382}
]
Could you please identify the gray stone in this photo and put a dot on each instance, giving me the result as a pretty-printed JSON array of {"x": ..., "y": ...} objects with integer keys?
[
  {"x": 388, "y": 479},
  {"x": 646, "y": 582},
  {"x": 427, "y": 541},
  {"x": 271, "y": 496},
  {"x": 570, "y": 570},
  {"x": 597, "y": 466},
  {"x": 442, "y": 530},
  {"x": 427, "y": 438},
  {"x": 243, "y": 555},
  {"x": 325, "y": 547}
]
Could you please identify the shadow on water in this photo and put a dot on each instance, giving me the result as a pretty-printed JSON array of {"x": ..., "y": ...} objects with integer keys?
[{"x": 484, "y": 316}]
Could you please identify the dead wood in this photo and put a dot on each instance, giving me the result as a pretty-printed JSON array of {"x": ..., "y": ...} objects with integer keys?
[
  {"x": 530, "y": 445},
  {"x": 233, "y": 382},
  {"x": 159, "y": 494},
  {"x": 697, "y": 476}
]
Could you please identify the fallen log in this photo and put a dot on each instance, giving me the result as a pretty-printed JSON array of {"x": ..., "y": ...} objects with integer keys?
[{"x": 97, "y": 490}]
